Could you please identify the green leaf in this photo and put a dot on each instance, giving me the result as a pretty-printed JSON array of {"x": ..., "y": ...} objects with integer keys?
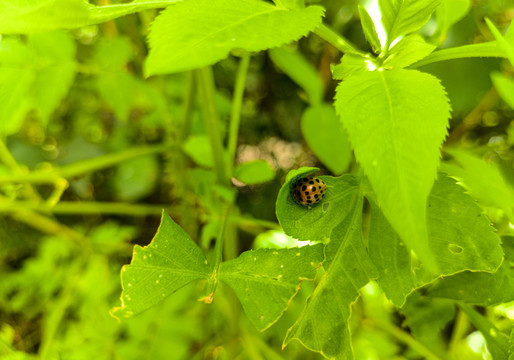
[
  {"x": 254, "y": 172},
  {"x": 117, "y": 88},
  {"x": 315, "y": 222},
  {"x": 511, "y": 345},
  {"x": 266, "y": 280},
  {"x": 22, "y": 17},
  {"x": 459, "y": 234},
  {"x": 396, "y": 122},
  {"x": 448, "y": 13},
  {"x": 503, "y": 44},
  {"x": 401, "y": 17},
  {"x": 300, "y": 71},
  {"x": 193, "y": 34},
  {"x": 34, "y": 75},
  {"x": 323, "y": 324},
  {"x": 505, "y": 86},
  {"x": 497, "y": 342},
  {"x": 481, "y": 288},
  {"x": 484, "y": 181},
  {"x": 350, "y": 64},
  {"x": 171, "y": 261},
  {"x": 407, "y": 51},
  {"x": 426, "y": 317},
  {"x": 198, "y": 147},
  {"x": 369, "y": 30},
  {"x": 325, "y": 136}
]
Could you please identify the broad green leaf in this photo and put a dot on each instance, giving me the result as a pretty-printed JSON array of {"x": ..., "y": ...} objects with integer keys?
[
  {"x": 459, "y": 234},
  {"x": 254, "y": 172},
  {"x": 481, "y": 288},
  {"x": 25, "y": 17},
  {"x": 36, "y": 74},
  {"x": 511, "y": 345},
  {"x": 113, "y": 54},
  {"x": 426, "y": 317},
  {"x": 323, "y": 324},
  {"x": 171, "y": 261},
  {"x": 315, "y": 222},
  {"x": 407, "y": 51},
  {"x": 484, "y": 181},
  {"x": 266, "y": 280},
  {"x": 448, "y": 13},
  {"x": 402, "y": 17},
  {"x": 497, "y": 341},
  {"x": 396, "y": 122},
  {"x": 350, "y": 64},
  {"x": 119, "y": 90},
  {"x": 370, "y": 32},
  {"x": 198, "y": 148},
  {"x": 507, "y": 48},
  {"x": 193, "y": 34},
  {"x": 300, "y": 71},
  {"x": 505, "y": 86},
  {"x": 326, "y": 138}
]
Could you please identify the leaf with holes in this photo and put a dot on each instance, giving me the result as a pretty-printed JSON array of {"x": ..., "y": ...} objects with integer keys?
[
  {"x": 266, "y": 280},
  {"x": 171, "y": 261},
  {"x": 460, "y": 235}
]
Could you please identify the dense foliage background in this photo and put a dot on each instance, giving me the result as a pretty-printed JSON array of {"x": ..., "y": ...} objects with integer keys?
[{"x": 93, "y": 148}]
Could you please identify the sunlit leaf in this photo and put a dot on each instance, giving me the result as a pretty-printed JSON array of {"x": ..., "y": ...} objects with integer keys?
[
  {"x": 401, "y": 17},
  {"x": 396, "y": 122},
  {"x": 448, "y": 13},
  {"x": 369, "y": 29},
  {"x": 325, "y": 136},
  {"x": 193, "y": 34},
  {"x": 171, "y": 261},
  {"x": 459, "y": 234},
  {"x": 323, "y": 324},
  {"x": 505, "y": 86},
  {"x": 266, "y": 280},
  {"x": 407, "y": 51},
  {"x": 23, "y": 17}
]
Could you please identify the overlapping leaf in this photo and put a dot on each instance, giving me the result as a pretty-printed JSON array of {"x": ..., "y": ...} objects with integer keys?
[
  {"x": 266, "y": 280},
  {"x": 193, "y": 34},
  {"x": 459, "y": 234},
  {"x": 396, "y": 121},
  {"x": 323, "y": 325}
]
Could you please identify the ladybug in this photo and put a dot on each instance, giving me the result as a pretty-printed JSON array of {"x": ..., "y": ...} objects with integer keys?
[{"x": 308, "y": 190}]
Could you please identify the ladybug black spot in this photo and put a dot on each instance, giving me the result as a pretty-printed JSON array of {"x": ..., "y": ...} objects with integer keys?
[
  {"x": 315, "y": 196},
  {"x": 311, "y": 182},
  {"x": 304, "y": 188}
]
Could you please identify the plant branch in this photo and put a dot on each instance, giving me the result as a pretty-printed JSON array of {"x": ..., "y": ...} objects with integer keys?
[
  {"x": 212, "y": 122},
  {"x": 237, "y": 103},
  {"x": 337, "y": 40},
  {"x": 488, "y": 49},
  {"x": 405, "y": 338},
  {"x": 82, "y": 167}
]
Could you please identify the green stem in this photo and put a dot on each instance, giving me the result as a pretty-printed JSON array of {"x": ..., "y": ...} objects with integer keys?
[
  {"x": 237, "y": 104},
  {"x": 212, "y": 282},
  {"x": 187, "y": 106},
  {"x": 406, "y": 338},
  {"x": 337, "y": 40},
  {"x": 460, "y": 329},
  {"x": 488, "y": 49},
  {"x": 212, "y": 122},
  {"x": 84, "y": 208},
  {"x": 82, "y": 167}
]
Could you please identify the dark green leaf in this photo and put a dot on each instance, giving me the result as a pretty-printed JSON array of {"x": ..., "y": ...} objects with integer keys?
[
  {"x": 323, "y": 324},
  {"x": 266, "y": 280},
  {"x": 396, "y": 122},
  {"x": 315, "y": 222},
  {"x": 325, "y": 136},
  {"x": 193, "y": 34},
  {"x": 171, "y": 261},
  {"x": 459, "y": 234}
]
